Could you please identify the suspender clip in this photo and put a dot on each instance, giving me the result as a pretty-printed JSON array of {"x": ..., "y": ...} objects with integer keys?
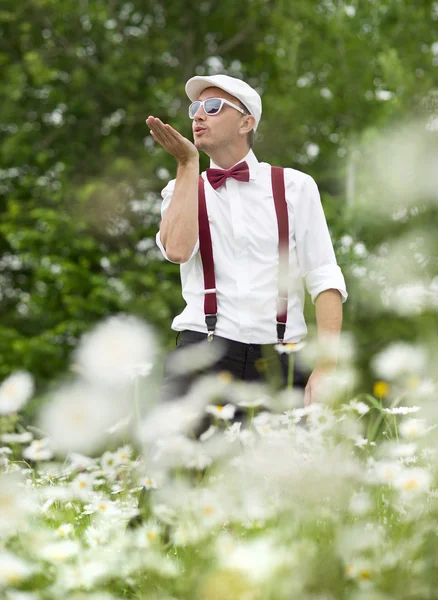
[
  {"x": 211, "y": 321},
  {"x": 281, "y": 328}
]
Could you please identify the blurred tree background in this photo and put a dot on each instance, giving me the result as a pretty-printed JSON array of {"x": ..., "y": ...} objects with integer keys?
[{"x": 80, "y": 176}]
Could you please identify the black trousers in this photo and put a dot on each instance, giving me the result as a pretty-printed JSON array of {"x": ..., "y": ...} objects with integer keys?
[{"x": 246, "y": 362}]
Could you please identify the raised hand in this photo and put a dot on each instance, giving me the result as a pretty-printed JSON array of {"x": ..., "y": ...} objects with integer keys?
[{"x": 172, "y": 141}]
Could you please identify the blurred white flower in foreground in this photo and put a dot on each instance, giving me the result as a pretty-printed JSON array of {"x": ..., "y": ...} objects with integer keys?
[
  {"x": 413, "y": 480},
  {"x": 116, "y": 351},
  {"x": 259, "y": 558},
  {"x": 15, "y": 392},
  {"x": 195, "y": 357},
  {"x": 59, "y": 552},
  {"x": 15, "y": 502},
  {"x": 17, "y": 438},
  {"x": 333, "y": 385},
  {"x": 404, "y": 180},
  {"x": 13, "y": 570},
  {"x": 410, "y": 298},
  {"x": 329, "y": 346},
  {"x": 78, "y": 416},
  {"x": 398, "y": 360},
  {"x": 172, "y": 417},
  {"x": 412, "y": 428},
  {"x": 39, "y": 450}
]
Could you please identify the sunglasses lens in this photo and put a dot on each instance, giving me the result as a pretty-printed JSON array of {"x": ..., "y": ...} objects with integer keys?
[
  {"x": 193, "y": 109},
  {"x": 212, "y": 106}
]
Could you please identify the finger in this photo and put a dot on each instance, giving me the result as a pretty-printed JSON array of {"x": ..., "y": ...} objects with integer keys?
[
  {"x": 160, "y": 134},
  {"x": 169, "y": 138},
  {"x": 164, "y": 131}
]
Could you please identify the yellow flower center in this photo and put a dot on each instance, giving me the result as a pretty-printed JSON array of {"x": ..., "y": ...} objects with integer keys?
[
  {"x": 225, "y": 376},
  {"x": 13, "y": 578},
  {"x": 364, "y": 574},
  {"x": 410, "y": 484},
  {"x": 381, "y": 389}
]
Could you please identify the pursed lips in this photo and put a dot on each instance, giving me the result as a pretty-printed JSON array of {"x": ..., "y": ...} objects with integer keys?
[{"x": 199, "y": 129}]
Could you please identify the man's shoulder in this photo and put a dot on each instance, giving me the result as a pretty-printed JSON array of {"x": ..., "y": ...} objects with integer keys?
[{"x": 291, "y": 175}]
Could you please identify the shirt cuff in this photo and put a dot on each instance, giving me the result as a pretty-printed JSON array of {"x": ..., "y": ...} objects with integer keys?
[
  {"x": 324, "y": 278},
  {"x": 163, "y": 251}
]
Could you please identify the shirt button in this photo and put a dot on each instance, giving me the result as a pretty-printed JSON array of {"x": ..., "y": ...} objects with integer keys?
[{"x": 250, "y": 348}]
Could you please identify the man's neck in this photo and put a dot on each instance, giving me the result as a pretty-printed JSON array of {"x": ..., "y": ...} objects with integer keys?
[{"x": 226, "y": 158}]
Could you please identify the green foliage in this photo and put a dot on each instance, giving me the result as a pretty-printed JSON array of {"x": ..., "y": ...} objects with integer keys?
[{"x": 80, "y": 176}]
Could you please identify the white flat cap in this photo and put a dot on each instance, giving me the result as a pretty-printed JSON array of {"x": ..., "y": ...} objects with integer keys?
[{"x": 236, "y": 87}]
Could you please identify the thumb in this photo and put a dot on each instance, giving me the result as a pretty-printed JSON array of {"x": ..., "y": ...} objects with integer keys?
[{"x": 307, "y": 396}]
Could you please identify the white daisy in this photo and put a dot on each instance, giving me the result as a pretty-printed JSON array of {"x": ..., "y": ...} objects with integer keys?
[
  {"x": 97, "y": 534},
  {"x": 59, "y": 552},
  {"x": 82, "y": 485},
  {"x": 171, "y": 418},
  {"x": 84, "y": 576},
  {"x": 247, "y": 438},
  {"x": 258, "y": 558},
  {"x": 289, "y": 348},
  {"x": 13, "y": 570},
  {"x": 412, "y": 428},
  {"x": 224, "y": 413},
  {"x": 102, "y": 506},
  {"x": 65, "y": 530},
  {"x": 79, "y": 462},
  {"x": 15, "y": 392},
  {"x": 401, "y": 410},
  {"x": 122, "y": 456},
  {"x": 413, "y": 480},
  {"x": 78, "y": 416},
  {"x": 114, "y": 349},
  {"x": 387, "y": 472},
  {"x": 39, "y": 450},
  {"x": 398, "y": 360},
  {"x": 360, "y": 407},
  {"x": 360, "y": 504},
  {"x": 208, "y": 434},
  {"x": 148, "y": 482},
  {"x": 232, "y": 433},
  {"x": 17, "y": 438}
]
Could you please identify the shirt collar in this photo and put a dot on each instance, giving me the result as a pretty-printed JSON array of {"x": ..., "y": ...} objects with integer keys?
[{"x": 250, "y": 158}]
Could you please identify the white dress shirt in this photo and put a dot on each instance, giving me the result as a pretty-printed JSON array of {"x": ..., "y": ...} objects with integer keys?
[{"x": 244, "y": 236}]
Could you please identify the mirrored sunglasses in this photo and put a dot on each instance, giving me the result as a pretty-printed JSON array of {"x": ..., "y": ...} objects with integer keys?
[{"x": 211, "y": 106}]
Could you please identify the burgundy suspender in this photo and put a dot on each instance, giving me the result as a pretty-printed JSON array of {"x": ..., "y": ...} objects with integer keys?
[
  {"x": 277, "y": 177},
  {"x": 206, "y": 251}
]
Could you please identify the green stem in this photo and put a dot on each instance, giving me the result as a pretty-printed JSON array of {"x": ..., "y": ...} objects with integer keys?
[{"x": 395, "y": 427}]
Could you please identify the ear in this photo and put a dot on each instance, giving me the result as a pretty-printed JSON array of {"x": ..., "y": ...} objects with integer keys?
[{"x": 246, "y": 124}]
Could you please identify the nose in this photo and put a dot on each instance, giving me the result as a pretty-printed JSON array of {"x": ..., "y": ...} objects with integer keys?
[{"x": 200, "y": 114}]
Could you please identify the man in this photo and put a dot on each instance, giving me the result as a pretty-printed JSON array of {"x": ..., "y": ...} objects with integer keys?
[{"x": 243, "y": 238}]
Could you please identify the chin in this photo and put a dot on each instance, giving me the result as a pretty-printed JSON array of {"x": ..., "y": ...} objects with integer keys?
[{"x": 200, "y": 145}]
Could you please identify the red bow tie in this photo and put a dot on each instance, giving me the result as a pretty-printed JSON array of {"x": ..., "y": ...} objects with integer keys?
[{"x": 217, "y": 177}]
